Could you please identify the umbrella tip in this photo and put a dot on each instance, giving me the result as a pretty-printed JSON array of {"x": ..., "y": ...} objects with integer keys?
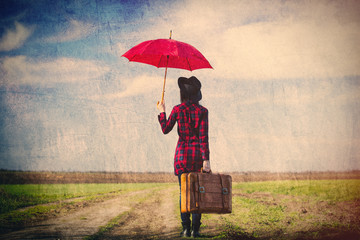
[{"x": 170, "y": 34}]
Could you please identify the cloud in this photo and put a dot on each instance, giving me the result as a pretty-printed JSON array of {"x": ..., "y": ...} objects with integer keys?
[
  {"x": 15, "y": 38},
  {"x": 303, "y": 49},
  {"x": 141, "y": 85},
  {"x": 120, "y": 49},
  {"x": 25, "y": 70},
  {"x": 268, "y": 39},
  {"x": 75, "y": 31}
]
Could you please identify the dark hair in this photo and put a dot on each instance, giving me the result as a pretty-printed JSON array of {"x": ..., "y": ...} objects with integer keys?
[{"x": 185, "y": 96}]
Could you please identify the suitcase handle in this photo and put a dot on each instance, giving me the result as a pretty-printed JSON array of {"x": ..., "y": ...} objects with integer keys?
[{"x": 202, "y": 171}]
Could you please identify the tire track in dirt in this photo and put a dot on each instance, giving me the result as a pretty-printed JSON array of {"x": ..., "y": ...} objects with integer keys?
[
  {"x": 84, "y": 222},
  {"x": 155, "y": 218}
]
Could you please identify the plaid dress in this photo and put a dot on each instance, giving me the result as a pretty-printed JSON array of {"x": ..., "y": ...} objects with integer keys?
[{"x": 193, "y": 144}]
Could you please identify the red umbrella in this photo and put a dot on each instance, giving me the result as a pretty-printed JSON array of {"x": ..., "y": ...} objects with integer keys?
[{"x": 167, "y": 53}]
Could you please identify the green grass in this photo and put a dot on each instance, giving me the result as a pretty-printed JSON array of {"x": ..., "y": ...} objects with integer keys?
[
  {"x": 287, "y": 209},
  {"x": 13, "y": 197},
  {"x": 261, "y": 210},
  {"x": 35, "y": 196},
  {"x": 327, "y": 190}
]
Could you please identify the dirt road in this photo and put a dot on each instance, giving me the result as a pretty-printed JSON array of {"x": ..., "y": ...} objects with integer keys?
[
  {"x": 155, "y": 218},
  {"x": 153, "y": 214},
  {"x": 135, "y": 212}
]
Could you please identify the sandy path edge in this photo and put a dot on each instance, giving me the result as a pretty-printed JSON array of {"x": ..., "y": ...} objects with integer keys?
[{"x": 81, "y": 223}]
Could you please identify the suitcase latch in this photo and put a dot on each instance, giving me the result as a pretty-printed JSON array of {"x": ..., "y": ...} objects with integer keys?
[
  {"x": 225, "y": 191},
  {"x": 202, "y": 189}
]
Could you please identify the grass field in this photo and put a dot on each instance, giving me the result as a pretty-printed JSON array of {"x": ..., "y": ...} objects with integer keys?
[
  {"x": 18, "y": 196},
  {"x": 304, "y": 209},
  {"x": 293, "y": 210},
  {"x": 22, "y": 204}
]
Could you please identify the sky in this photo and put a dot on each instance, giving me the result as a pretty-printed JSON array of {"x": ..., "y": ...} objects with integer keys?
[{"x": 283, "y": 94}]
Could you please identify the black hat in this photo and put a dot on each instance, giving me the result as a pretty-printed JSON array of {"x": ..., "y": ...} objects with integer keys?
[{"x": 191, "y": 86}]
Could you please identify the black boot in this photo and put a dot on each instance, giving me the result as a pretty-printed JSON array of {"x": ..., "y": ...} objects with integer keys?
[
  {"x": 195, "y": 230},
  {"x": 186, "y": 232}
]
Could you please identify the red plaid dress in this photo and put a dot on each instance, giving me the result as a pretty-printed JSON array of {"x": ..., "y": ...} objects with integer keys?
[{"x": 193, "y": 144}]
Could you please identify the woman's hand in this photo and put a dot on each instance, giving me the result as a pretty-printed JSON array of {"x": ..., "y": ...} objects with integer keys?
[
  {"x": 206, "y": 166},
  {"x": 161, "y": 106}
]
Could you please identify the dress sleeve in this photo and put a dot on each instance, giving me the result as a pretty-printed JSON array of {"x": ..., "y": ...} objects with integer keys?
[
  {"x": 204, "y": 136},
  {"x": 167, "y": 125}
]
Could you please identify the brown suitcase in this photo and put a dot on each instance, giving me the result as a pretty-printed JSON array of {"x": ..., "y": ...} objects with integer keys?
[{"x": 206, "y": 193}]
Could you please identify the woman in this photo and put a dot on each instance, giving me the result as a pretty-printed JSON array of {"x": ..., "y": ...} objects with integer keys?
[{"x": 192, "y": 150}]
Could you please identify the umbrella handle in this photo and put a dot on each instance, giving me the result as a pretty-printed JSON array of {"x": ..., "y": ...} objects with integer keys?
[
  {"x": 167, "y": 61},
  {"x": 163, "y": 91}
]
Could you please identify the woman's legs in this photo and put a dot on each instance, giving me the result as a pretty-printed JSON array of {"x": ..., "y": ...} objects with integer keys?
[{"x": 185, "y": 217}]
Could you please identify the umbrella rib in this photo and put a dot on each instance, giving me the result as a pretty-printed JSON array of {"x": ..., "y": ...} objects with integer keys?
[
  {"x": 189, "y": 64},
  {"x": 159, "y": 61},
  {"x": 130, "y": 59}
]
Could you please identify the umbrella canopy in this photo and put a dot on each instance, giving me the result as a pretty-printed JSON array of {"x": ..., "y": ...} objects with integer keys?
[{"x": 167, "y": 53}]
